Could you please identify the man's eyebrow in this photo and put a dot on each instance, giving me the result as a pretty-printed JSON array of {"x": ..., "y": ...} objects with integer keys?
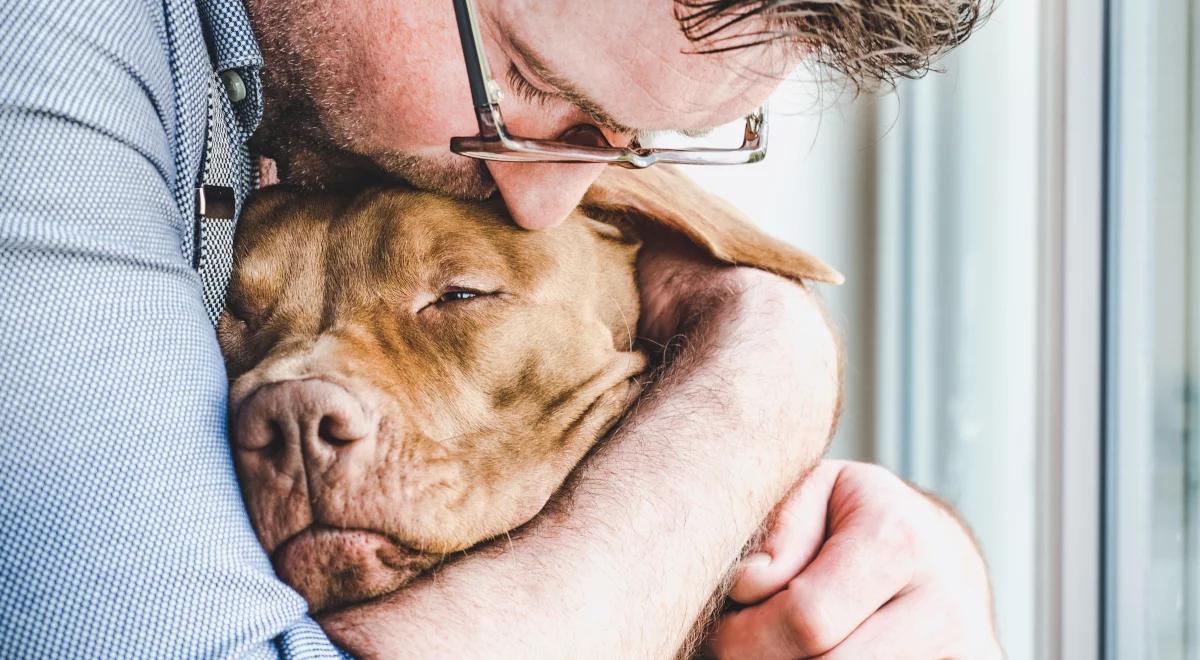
[{"x": 569, "y": 91}]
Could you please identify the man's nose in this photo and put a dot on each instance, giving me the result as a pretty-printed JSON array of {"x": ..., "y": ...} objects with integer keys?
[
  {"x": 316, "y": 416},
  {"x": 542, "y": 195}
]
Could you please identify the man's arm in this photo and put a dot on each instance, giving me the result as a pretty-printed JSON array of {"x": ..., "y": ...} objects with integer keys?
[
  {"x": 624, "y": 563},
  {"x": 122, "y": 531}
]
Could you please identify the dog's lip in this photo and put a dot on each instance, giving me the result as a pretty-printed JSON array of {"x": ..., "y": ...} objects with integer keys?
[
  {"x": 332, "y": 567},
  {"x": 318, "y": 532}
]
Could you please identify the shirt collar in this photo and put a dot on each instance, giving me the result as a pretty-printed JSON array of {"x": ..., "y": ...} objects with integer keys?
[{"x": 232, "y": 45}]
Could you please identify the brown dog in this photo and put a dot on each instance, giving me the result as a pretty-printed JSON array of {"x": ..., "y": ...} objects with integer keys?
[{"x": 412, "y": 375}]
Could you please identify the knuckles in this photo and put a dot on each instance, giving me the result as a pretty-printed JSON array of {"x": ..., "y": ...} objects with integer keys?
[
  {"x": 811, "y": 628},
  {"x": 884, "y": 526}
]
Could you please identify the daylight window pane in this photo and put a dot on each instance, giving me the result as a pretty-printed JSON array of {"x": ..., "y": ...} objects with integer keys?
[{"x": 1154, "y": 339}]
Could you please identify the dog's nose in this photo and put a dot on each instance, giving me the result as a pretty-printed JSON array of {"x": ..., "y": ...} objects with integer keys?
[{"x": 298, "y": 413}]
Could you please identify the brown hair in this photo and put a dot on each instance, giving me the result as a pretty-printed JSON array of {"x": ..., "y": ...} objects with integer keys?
[{"x": 868, "y": 42}]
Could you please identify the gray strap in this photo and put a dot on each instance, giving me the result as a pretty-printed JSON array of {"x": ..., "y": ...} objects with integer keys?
[{"x": 224, "y": 182}]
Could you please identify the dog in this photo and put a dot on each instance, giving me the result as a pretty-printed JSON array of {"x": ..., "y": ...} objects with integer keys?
[{"x": 412, "y": 375}]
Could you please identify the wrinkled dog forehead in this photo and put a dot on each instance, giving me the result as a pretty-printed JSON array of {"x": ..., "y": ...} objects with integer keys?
[
  {"x": 335, "y": 243},
  {"x": 400, "y": 241},
  {"x": 306, "y": 263},
  {"x": 408, "y": 240},
  {"x": 394, "y": 237}
]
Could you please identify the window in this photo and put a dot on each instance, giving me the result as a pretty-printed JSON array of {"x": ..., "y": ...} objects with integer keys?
[
  {"x": 928, "y": 201},
  {"x": 1152, "y": 507},
  {"x": 1022, "y": 309}
]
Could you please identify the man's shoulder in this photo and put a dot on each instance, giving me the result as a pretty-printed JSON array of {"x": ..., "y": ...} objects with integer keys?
[
  {"x": 131, "y": 70},
  {"x": 65, "y": 40}
]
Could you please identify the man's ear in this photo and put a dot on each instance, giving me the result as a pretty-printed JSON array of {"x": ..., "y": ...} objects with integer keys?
[{"x": 665, "y": 196}]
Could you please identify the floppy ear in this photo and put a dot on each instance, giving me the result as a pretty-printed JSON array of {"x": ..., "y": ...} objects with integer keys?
[{"x": 666, "y": 196}]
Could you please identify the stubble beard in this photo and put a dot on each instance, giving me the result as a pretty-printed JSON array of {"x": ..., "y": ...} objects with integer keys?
[{"x": 312, "y": 125}]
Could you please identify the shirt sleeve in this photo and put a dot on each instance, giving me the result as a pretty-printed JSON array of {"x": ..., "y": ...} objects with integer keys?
[{"x": 122, "y": 530}]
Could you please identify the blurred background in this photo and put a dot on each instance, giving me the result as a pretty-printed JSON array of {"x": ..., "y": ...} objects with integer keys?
[{"x": 1022, "y": 304}]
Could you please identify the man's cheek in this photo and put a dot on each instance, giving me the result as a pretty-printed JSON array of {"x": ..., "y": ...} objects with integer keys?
[{"x": 411, "y": 97}]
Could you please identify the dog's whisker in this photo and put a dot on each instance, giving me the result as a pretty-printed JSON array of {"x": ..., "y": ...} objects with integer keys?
[
  {"x": 477, "y": 432},
  {"x": 629, "y": 330}
]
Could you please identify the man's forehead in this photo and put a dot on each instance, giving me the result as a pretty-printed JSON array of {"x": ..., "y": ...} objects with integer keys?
[{"x": 633, "y": 58}]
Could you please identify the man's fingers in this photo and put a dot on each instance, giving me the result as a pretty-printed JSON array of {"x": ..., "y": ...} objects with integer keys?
[
  {"x": 862, "y": 566},
  {"x": 794, "y": 623},
  {"x": 762, "y": 631},
  {"x": 791, "y": 624},
  {"x": 897, "y": 577},
  {"x": 795, "y": 534},
  {"x": 901, "y": 630}
]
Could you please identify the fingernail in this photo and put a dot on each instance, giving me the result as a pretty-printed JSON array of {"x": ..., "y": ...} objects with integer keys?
[{"x": 756, "y": 561}]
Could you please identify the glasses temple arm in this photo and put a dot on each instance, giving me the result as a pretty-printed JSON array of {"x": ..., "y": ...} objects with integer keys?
[{"x": 464, "y": 11}]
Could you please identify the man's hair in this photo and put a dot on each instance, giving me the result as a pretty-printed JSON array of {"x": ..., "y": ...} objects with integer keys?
[{"x": 868, "y": 42}]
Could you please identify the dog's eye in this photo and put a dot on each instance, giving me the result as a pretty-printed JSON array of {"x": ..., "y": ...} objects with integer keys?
[{"x": 457, "y": 295}]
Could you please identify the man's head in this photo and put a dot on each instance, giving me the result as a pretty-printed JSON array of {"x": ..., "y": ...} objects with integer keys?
[{"x": 378, "y": 87}]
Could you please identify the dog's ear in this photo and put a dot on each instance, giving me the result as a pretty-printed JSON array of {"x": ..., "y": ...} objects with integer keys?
[{"x": 665, "y": 196}]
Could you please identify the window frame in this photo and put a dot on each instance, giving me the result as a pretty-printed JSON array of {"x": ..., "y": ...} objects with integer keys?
[
  {"x": 1151, "y": 341},
  {"x": 1071, "y": 549}
]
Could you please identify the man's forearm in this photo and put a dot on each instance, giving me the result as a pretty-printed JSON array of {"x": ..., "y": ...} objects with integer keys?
[{"x": 626, "y": 561}]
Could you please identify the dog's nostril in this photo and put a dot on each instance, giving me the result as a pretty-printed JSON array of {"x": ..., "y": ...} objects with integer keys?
[
  {"x": 275, "y": 438},
  {"x": 335, "y": 431},
  {"x": 256, "y": 432},
  {"x": 280, "y": 417}
]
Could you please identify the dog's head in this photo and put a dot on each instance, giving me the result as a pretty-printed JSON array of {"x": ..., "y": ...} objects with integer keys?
[{"x": 412, "y": 375}]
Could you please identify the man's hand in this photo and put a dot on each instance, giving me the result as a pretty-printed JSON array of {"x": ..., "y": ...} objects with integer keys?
[{"x": 859, "y": 564}]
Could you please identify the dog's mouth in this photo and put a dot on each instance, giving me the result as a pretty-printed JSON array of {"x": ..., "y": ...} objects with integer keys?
[{"x": 333, "y": 567}]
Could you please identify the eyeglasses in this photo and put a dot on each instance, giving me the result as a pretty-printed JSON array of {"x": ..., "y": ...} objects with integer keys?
[{"x": 581, "y": 144}]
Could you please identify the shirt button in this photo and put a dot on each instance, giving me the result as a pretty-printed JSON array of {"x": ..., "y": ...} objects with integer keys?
[{"x": 235, "y": 87}]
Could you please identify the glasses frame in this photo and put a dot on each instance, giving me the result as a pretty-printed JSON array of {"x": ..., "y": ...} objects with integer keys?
[{"x": 494, "y": 142}]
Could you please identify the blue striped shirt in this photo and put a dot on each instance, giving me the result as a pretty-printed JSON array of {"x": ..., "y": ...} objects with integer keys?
[{"x": 122, "y": 530}]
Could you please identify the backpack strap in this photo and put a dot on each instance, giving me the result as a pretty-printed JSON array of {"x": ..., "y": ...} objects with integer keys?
[{"x": 225, "y": 179}]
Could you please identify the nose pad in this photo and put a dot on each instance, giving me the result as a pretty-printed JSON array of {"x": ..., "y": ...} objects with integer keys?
[{"x": 313, "y": 413}]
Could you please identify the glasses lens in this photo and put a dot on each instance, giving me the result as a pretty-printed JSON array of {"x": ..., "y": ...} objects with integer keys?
[
  {"x": 727, "y": 136},
  {"x": 584, "y": 135}
]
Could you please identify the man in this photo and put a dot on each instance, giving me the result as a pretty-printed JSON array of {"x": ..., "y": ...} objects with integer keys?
[{"x": 123, "y": 532}]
